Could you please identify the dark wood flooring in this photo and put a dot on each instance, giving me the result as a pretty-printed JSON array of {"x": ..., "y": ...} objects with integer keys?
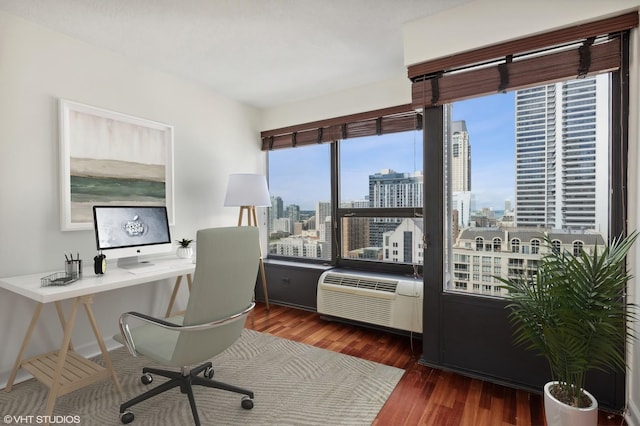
[{"x": 424, "y": 396}]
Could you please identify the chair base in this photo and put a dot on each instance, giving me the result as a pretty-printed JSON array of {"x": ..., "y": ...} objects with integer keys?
[{"x": 185, "y": 380}]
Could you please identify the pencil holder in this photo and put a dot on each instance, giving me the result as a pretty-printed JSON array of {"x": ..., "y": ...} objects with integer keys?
[{"x": 73, "y": 268}]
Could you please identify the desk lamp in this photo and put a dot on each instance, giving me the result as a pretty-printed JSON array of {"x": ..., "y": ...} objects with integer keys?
[{"x": 248, "y": 191}]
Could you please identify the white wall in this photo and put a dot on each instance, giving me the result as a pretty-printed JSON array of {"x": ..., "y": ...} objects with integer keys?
[
  {"x": 392, "y": 92},
  {"x": 214, "y": 136}
]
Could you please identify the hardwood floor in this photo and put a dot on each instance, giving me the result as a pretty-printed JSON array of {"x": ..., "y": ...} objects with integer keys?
[{"x": 424, "y": 396}]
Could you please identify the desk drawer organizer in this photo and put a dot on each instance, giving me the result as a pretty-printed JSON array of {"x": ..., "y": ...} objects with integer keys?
[{"x": 58, "y": 279}]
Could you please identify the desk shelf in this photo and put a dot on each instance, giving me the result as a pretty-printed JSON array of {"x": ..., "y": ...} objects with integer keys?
[{"x": 77, "y": 371}]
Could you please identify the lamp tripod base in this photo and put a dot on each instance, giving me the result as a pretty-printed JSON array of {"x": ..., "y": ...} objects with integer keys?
[{"x": 252, "y": 220}]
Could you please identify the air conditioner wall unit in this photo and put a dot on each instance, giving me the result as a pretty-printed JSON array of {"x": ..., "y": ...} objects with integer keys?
[{"x": 372, "y": 298}]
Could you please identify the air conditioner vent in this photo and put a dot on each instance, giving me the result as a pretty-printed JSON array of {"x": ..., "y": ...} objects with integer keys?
[
  {"x": 388, "y": 286},
  {"x": 371, "y": 298}
]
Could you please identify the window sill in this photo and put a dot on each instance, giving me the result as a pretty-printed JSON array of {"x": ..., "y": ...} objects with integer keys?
[{"x": 294, "y": 264}]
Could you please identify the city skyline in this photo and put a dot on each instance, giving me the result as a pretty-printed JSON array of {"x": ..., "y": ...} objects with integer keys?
[
  {"x": 543, "y": 142},
  {"x": 303, "y": 176}
]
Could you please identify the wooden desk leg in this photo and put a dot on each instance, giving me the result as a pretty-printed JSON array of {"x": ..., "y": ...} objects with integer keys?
[
  {"x": 87, "y": 301},
  {"x": 62, "y": 357},
  {"x": 23, "y": 348},
  {"x": 62, "y": 321},
  {"x": 174, "y": 294},
  {"x": 176, "y": 287}
]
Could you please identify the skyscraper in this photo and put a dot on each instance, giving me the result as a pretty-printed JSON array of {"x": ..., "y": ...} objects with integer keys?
[
  {"x": 276, "y": 211},
  {"x": 562, "y": 141},
  {"x": 460, "y": 157},
  {"x": 323, "y": 226},
  {"x": 292, "y": 212},
  {"x": 355, "y": 230},
  {"x": 323, "y": 210},
  {"x": 458, "y": 163},
  {"x": 392, "y": 189}
]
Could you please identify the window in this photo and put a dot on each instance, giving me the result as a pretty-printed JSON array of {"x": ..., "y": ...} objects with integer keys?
[
  {"x": 380, "y": 198},
  {"x": 371, "y": 215},
  {"x": 517, "y": 164},
  {"x": 461, "y": 286},
  {"x": 299, "y": 220},
  {"x": 437, "y": 86},
  {"x": 535, "y": 246}
]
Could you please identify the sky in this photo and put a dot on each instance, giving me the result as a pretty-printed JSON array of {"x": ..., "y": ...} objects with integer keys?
[
  {"x": 301, "y": 175},
  {"x": 491, "y": 126}
]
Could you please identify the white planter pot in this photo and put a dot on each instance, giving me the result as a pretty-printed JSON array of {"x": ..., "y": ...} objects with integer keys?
[
  {"x": 184, "y": 252},
  {"x": 561, "y": 414}
]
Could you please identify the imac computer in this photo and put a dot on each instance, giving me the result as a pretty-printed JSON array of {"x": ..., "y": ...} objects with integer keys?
[{"x": 126, "y": 232}]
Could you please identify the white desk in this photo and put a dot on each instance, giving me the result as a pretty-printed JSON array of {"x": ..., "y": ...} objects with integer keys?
[{"x": 63, "y": 370}]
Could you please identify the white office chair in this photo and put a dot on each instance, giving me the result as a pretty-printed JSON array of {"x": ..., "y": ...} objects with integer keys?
[{"x": 222, "y": 294}]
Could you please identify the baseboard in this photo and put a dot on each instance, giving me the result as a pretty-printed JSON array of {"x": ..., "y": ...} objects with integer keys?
[{"x": 632, "y": 415}]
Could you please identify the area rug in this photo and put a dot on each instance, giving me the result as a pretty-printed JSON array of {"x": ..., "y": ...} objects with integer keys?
[{"x": 294, "y": 384}]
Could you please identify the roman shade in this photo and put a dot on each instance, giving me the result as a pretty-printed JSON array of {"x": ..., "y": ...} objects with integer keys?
[
  {"x": 378, "y": 122},
  {"x": 573, "y": 52}
]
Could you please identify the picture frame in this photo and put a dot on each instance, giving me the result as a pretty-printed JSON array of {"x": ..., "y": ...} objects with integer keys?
[{"x": 110, "y": 158}]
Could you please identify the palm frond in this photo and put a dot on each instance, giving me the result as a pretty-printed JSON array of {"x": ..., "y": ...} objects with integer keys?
[{"x": 573, "y": 310}]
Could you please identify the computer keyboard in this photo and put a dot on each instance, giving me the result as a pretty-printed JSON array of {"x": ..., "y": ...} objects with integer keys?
[{"x": 149, "y": 269}]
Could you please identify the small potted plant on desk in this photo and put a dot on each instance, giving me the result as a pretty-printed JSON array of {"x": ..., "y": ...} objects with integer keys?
[
  {"x": 573, "y": 312},
  {"x": 185, "y": 251}
]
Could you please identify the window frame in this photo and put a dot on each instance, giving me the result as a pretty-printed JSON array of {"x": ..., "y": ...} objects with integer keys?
[{"x": 339, "y": 213}]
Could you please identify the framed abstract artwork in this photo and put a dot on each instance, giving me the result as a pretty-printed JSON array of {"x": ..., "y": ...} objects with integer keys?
[{"x": 109, "y": 158}]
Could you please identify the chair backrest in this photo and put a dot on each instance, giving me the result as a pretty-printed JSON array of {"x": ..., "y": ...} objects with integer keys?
[{"x": 227, "y": 261}]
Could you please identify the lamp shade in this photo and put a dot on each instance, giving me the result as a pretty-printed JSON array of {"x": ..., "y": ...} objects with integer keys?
[{"x": 246, "y": 189}]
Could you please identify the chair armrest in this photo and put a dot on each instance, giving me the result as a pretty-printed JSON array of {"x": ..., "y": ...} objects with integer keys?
[
  {"x": 128, "y": 338},
  {"x": 153, "y": 320}
]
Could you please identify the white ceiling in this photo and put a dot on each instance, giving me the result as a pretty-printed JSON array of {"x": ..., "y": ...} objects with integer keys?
[{"x": 262, "y": 52}]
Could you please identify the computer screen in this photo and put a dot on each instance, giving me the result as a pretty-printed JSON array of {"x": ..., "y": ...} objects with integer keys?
[{"x": 126, "y": 232}]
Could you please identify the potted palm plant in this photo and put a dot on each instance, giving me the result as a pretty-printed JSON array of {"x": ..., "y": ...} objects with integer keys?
[{"x": 573, "y": 312}]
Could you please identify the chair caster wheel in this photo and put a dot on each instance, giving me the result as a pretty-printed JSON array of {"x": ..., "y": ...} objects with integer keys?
[
  {"x": 146, "y": 379},
  {"x": 208, "y": 372},
  {"x": 126, "y": 417},
  {"x": 246, "y": 402}
]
